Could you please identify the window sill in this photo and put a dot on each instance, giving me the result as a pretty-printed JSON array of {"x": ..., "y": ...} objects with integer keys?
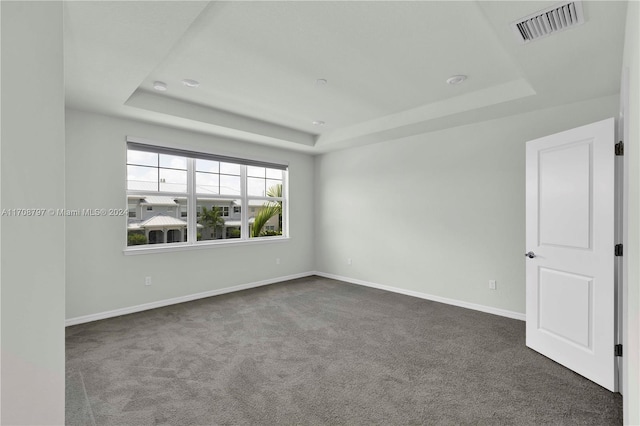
[{"x": 164, "y": 248}]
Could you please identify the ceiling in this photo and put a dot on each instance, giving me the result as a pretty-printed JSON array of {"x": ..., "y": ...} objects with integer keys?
[{"x": 385, "y": 64}]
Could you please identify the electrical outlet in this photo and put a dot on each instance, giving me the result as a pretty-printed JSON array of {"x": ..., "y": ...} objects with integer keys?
[
  {"x": 277, "y": 260},
  {"x": 147, "y": 280},
  {"x": 349, "y": 261},
  {"x": 492, "y": 284}
]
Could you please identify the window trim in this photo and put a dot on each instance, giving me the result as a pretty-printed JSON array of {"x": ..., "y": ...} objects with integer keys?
[
  {"x": 140, "y": 144},
  {"x": 173, "y": 247}
]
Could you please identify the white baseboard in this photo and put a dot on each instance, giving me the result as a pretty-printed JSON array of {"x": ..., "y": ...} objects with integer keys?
[
  {"x": 180, "y": 299},
  {"x": 454, "y": 302}
]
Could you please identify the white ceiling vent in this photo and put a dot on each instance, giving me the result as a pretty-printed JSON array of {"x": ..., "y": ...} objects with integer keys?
[{"x": 548, "y": 21}]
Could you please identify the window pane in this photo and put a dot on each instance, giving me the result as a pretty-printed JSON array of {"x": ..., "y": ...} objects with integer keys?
[
  {"x": 265, "y": 218},
  {"x": 274, "y": 174},
  {"x": 142, "y": 158},
  {"x": 173, "y": 180},
  {"x": 160, "y": 220},
  {"x": 255, "y": 186},
  {"x": 229, "y": 185},
  {"x": 142, "y": 178},
  {"x": 207, "y": 166},
  {"x": 259, "y": 187},
  {"x": 218, "y": 219},
  {"x": 274, "y": 188},
  {"x": 207, "y": 183},
  {"x": 256, "y": 171},
  {"x": 173, "y": 162},
  {"x": 230, "y": 168}
]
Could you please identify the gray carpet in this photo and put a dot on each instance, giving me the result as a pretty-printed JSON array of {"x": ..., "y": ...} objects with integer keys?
[{"x": 318, "y": 351}]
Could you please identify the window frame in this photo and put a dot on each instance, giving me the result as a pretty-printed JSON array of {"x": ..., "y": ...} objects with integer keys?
[{"x": 192, "y": 199}]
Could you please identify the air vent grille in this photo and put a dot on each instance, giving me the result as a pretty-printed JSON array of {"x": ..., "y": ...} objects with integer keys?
[{"x": 548, "y": 21}]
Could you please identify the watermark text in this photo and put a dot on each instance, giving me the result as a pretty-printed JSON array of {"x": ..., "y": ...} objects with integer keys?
[{"x": 51, "y": 212}]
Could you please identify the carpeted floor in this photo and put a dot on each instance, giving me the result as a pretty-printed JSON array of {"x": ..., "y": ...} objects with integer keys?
[{"x": 318, "y": 351}]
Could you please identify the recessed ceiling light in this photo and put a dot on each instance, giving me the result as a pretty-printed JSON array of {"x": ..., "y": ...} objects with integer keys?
[
  {"x": 321, "y": 82},
  {"x": 456, "y": 79},
  {"x": 190, "y": 83},
  {"x": 159, "y": 85},
  {"x": 318, "y": 123}
]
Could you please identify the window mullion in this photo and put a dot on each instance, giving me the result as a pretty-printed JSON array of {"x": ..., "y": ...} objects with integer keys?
[
  {"x": 285, "y": 204},
  {"x": 244, "y": 210},
  {"x": 192, "y": 214}
]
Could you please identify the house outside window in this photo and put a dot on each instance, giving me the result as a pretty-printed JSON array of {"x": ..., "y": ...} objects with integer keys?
[{"x": 188, "y": 198}]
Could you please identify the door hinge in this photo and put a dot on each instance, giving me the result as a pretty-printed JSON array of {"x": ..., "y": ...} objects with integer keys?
[
  {"x": 620, "y": 148},
  {"x": 618, "y": 250},
  {"x": 617, "y": 350}
]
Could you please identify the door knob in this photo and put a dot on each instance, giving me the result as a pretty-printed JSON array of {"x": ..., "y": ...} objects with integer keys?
[{"x": 530, "y": 255}]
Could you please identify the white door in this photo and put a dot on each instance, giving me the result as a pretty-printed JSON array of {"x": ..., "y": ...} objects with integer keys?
[{"x": 570, "y": 245}]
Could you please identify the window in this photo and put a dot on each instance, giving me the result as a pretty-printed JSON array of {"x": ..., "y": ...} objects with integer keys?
[
  {"x": 189, "y": 198},
  {"x": 264, "y": 195}
]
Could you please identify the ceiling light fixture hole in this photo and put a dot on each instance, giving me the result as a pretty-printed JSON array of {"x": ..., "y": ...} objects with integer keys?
[
  {"x": 190, "y": 83},
  {"x": 456, "y": 79},
  {"x": 160, "y": 86}
]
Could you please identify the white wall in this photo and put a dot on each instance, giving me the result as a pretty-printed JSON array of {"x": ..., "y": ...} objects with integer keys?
[
  {"x": 631, "y": 355},
  {"x": 32, "y": 248},
  {"x": 439, "y": 213},
  {"x": 101, "y": 278}
]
